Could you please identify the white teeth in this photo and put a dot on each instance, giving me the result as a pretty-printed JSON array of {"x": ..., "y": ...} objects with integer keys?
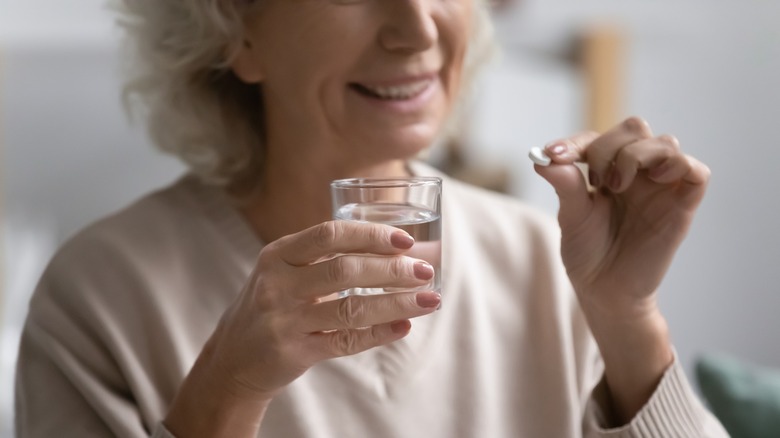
[{"x": 400, "y": 91}]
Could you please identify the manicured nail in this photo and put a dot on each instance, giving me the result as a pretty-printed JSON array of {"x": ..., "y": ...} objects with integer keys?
[
  {"x": 614, "y": 180},
  {"x": 401, "y": 326},
  {"x": 401, "y": 240},
  {"x": 593, "y": 177},
  {"x": 557, "y": 149},
  {"x": 423, "y": 270},
  {"x": 428, "y": 299}
]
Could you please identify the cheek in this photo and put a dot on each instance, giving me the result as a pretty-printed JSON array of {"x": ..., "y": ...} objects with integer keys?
[
  {"x": 455, "y": 35},
  {"x": 297, "y": 41},
  {"x": 302, "y": 81},
  {"x": 309, "y": 58}
]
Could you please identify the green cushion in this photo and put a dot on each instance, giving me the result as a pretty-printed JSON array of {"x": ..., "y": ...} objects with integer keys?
[{"x": 745, "y": 398}]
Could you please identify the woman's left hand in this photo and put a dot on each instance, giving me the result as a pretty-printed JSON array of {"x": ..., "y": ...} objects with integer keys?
[{"x": 618, "y": 241}]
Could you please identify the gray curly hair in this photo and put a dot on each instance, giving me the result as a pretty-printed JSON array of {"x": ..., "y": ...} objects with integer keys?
[{"x": 195, "y": 107}]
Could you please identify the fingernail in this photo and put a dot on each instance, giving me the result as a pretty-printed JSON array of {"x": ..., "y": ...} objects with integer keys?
[
  {"x": 593, "y": 177},
  {"x": 614, "y": 180},
  {"x": 401, "y": 240},
  {"x": 428, "y": 299},
  {"x": 557, "y": 149},
  {"x": 401, "y": 326},
  {"x": 423, "y": 270},
  {"x": 658, "y": 171}
]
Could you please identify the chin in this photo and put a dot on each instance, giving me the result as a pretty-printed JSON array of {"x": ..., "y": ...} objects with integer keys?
[{"x": 404, "y": 144}]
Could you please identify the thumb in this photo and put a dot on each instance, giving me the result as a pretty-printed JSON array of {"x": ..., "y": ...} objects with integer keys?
[{"x": 571, "y": 188}]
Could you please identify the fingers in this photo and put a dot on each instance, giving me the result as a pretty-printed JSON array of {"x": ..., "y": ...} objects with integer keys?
[
  {"x": 615, "y": 158},
  {"x": 365, "y": 311},
  {"x": 687, "y": 169},
  {"x": 570, "y": 187},
  {"x": 598, "y": 150},
  {"x": 600, "y": 155},
  {"x": 347, "y": 342},
  {"x": 640, "y": 155},
  {"x": 306, "y": 265},
  {"x": 348, "y": 271},
  {"x": 572, "y": 149},
  {"x": 680, "y": 167},
  {"x": 339, "y": 237},
  {"x": 567, "y": 180},
  {"x": 660, "y": 157},
  {"x": 358, "y": 323},
  {"x": 290, "y": 333}
]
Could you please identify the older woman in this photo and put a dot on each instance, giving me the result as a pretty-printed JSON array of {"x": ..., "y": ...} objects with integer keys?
[{"x": 199, "y": 310}]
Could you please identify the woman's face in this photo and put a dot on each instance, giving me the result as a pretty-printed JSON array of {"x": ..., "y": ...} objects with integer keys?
[{"x": 365, "y": 80}]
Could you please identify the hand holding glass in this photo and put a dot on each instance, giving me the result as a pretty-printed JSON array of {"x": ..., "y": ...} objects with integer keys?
[{"x": 411, "y": 204}]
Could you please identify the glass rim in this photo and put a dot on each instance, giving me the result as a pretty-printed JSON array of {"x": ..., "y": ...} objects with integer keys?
[{"x": 386, "y": 183}]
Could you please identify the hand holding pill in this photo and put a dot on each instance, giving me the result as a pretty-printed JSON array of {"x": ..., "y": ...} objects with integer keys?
[{"x": 619, "y": 240}]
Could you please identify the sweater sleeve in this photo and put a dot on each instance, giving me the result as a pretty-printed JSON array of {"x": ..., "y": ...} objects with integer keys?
[
  {"x": 69, "y": 381},
  {"x": 59, "y": 393},
  {"x": 673, "y": 411}
]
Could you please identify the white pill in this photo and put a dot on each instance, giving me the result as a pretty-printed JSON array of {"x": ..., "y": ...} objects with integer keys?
[{"x": 538, "y": 156}]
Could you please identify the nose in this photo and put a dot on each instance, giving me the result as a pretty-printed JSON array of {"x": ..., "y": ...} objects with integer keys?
[{"x": 409, "y": 26}]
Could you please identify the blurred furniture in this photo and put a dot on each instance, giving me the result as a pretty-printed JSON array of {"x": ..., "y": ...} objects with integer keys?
[
  {"x": 744, "y": 397},
  {"x": 600, "y": 57}
]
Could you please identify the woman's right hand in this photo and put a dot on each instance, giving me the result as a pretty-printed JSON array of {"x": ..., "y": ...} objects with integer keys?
[{"x": 282, "y": 323}]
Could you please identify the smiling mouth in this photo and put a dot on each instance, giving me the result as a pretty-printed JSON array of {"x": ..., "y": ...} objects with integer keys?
[{"x": 395, "y": 92}]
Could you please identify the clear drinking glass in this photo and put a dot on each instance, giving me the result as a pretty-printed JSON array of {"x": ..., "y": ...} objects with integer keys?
[{"x": 412, "y": 204}]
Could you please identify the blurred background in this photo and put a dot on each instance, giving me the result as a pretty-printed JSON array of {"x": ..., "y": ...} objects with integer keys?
[{"x": 706, "y": 71}]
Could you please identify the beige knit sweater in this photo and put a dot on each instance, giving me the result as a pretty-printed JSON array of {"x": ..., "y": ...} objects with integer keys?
[{"x": 124, "y": 308}]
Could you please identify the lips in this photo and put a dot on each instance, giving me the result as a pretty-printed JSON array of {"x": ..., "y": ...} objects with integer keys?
[{"x": 402, "y": 91}]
